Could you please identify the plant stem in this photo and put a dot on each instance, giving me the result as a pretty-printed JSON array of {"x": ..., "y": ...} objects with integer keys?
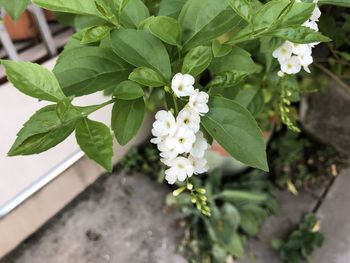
[
  {"x": 90, "y": 109},
  {"x": 333, "y": 76}
]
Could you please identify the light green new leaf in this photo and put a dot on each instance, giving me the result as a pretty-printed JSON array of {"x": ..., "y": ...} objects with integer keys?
[
  {"x": 33, "y": 80},
  {"x": 42, "y": 131},
  {"x": 14, "y": 7},
  {"x": 95, "y": 139},
  {"x": 236, "y": 130},
  {"x": 86, "y": 70},
  {"x": 238, "y": 60},
  {"x": 242, "y": 8},
  {"x": 299, "y": 35},
  {"x": 95, "y": 34},
  {"x": 80, "y": 7},
  {"x": 141, "y": 49},
  {"x": 197, "y": 60},
  {"x": 205, "y": 20},
  {"x": 128, "y": 90},
  {"x": 127, "y": 118},
  {"x": 220, "y": 50},
  {"x": 165, "y": 28},
  {"x": 147, "y": 77}
]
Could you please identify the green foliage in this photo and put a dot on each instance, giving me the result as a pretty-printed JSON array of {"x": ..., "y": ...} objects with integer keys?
[
  {"x": 127, "y": 118},
  {"x": 301, "y": 163},
  {"x": 95, "y": 139},
  {"x": 130, "y": 49},
  {"x": 302, "y": 242},
  {"x": 14, "y": 8},
  {"x": 33, "y": 80},
  {"x": 246, "y": 147},
  {"x": 238, "y": 205}
]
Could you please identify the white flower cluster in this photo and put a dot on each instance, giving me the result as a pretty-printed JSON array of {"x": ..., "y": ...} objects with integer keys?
[
  {"x": 291, "y": 56},
  {"x": 181, "y": 143}
]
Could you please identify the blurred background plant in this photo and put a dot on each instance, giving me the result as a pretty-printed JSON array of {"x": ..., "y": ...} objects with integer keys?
[{"x": 302, "y": 242}]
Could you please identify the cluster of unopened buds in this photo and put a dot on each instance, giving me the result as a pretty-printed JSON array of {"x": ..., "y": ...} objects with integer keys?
[
  {"x": 181, "y": 144},
  {"x": 293, "y": 57}
]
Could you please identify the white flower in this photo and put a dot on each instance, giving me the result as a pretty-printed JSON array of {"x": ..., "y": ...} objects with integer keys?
[
  {"x": 198, "y": 101},
  {"x": 305, "y": 60},
  {"x": 311, "y": 24},
  {"x": 284, "y": 52},
  {"x": 291, "y": 66},
  {"x": 180, "y": 169},
  {"x": 182, "y": 85},
  {"x": 316, "y": 14},
  {"x": 164, "y": 125},
  {"x": 301, "y": 49},
  {"x": 188, "y": 118},
  {"x": 181, "y": 141},
  {"x": 199, "y": 164},
  {"x": 200, "y": 146}
]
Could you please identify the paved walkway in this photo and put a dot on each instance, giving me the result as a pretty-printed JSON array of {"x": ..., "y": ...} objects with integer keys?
[{"x": 120, "y": 219}]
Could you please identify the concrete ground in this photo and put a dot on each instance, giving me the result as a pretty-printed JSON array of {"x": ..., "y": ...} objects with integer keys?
[{"x": 120, "y": 219}]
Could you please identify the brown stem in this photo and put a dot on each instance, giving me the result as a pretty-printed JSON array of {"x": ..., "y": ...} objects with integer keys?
[{"x": 333, "y": 76}]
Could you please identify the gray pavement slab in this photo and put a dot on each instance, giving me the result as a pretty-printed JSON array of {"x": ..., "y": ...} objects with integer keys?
[
  {"x": 326, "y": 115},
  {"x": 293, "y": 208},
  {"x": 120, "y": 219},
  {"x": 334, "y": 214}
]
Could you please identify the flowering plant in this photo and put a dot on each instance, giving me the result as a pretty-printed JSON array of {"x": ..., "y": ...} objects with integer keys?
[{"x": 188, "y": 56}]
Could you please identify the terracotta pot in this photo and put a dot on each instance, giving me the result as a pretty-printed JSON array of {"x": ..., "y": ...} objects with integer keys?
[
  {"x": 25, "y": 28},
  {"x": 50, "y": 16}
]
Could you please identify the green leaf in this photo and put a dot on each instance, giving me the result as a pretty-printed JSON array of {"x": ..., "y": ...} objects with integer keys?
[
  {"x": 241, "y": 196},
  {"x": 165, "y": 28},
  {"x": 14, "y": 8},
  {"x": 128, "y": 90},
  {"x": 197, "y": 60},
  {"x": 230, "y": 216},
  {"x": 238, "y": 60},
  {"x": 242, "y": 8},
  {"x": 249, "y": 223},
  {"x": 64, "y": 108},
  {"x": 344, "y": 3},
  {"x": 236, "y": 130},
  {"x": 95, "y": 139},
  {"x": 41, "y": 132},
  {"x": 236, "y": 246},
  {"x": 95, "y": 34},
  {"x": 220, "y": 50},
  {"x": 226, "y": 80},
  {"x": 251, "y": 98},
  {"x": 80, "y": 7},
  {"x": 141, "y": 49},
  {"x": 33, "y": 80},
  {"x": 171, "y": 8},
  {"x": 134, "y": 13},
  {"x": 147, "y": 77},
  {"x": 86, "y": 70},
  {"x": 269, "y": 13},
  {"x": 299, "y": 35},
  {"x": 127, "y": 118},
  {"x": 205, "y": 20},
  {"x": 298, "y": 14}
]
